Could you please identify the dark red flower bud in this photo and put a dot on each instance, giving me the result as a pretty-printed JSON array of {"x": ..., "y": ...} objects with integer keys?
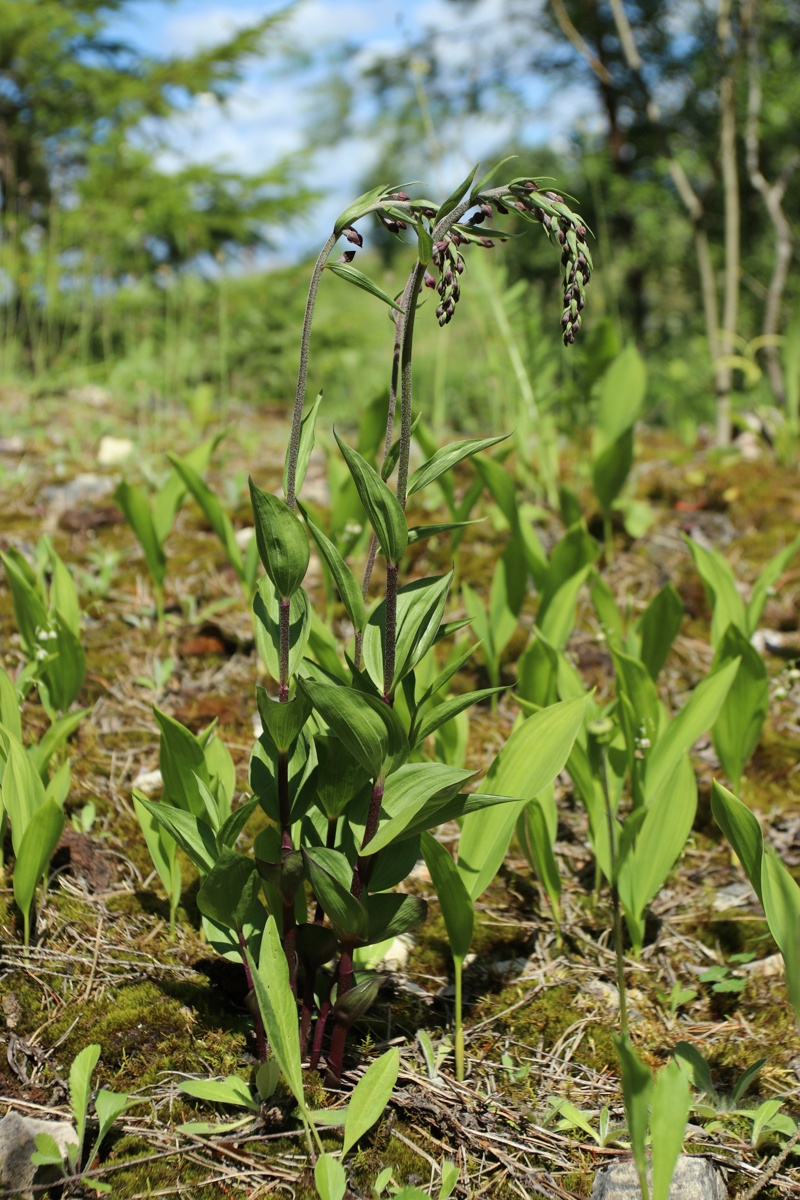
[
  {"x": 429, "y": 280},
  {"x": 348, "y": 256},
  {"x": 353, "y": 236}
]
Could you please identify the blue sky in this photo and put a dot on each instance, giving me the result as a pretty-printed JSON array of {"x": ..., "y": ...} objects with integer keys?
[{"x": 266, "y": 118}]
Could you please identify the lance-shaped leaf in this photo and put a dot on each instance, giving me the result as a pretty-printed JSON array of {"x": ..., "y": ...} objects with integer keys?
[
  {"x": 217, "y": 518},
  {"x": 23, "y": 790},
  {"x": 346, "y": 583},
  {"x": 162, "y": 850},
  {"x": 657, "y": 628},
  {"x": 390, "y": 914},
  {"x": 352, "y": 1006},
  {"x": 39, "y": 840},
  {"x": 194, "y": 836},
  {"x": 229, "y": 890},
  {"x": 359, "y": 207},
  {"x": 454, "y": 199},
  {"x": 304, "y": 447},
  {"x": 286, "y": 875},
  {"x": 486, "y": 179},
  {"x": 266, "y": 607},
  {"x": 767, "y": 579},
  {"x": 330, "y": 1178},
  {"x": 283, "y": 722},
  {"x": 341, "y": 778},
  {"x": 530, "y": 760},
  {"x": 446, "y": 458},
  {"x": 316, "y": 945},
  {"x": 407, "y": 792},
  {"x": 382, "y": 507},
  {"x": 233, "y": 825},
  {"x": 741, "y": 718},
  {"x": 743, "y": 832},
  {"x": 670, "y": 1112},
  {"x": 456, "y": 903},
  {"x": 370, "y": 1097},
  {"x": 369, "y": 729},
  {"x": 135, "y": 508},
  {"x": 55, "y": 737},
  {"x": 346, "y": 914},
  {"x": 420, "y": 607},
  {"x": 637, "y": 1091},
  {"x": 782, "y": 907},
  {"x": 282, "y": 541},
  {"x": 720, "y": 586},
  {"x": 278, "y": 1008},
  {"x": 80, "y": 1086},
  {"x": 231, "y": 1090},
  {"x": 437, "y": 717},
  {"x": 353, "y": 275},
  {"x": 536, "y": 840}
]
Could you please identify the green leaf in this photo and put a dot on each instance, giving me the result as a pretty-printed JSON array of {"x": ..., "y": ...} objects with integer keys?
[
  {"x": 9, "y": 707},
  {"x": 446, "y": 711},
  {"x": 352, "y": 275},
  {"x": 611, "y": 468},
  {"x": 741, "y": 718},
  {"x": 370, "y": 1097},
  {"x": 304, "y": 447},
  {"x": 266, "y": 607},
  {"x": 419, "y": 612},
  {"x": 767, "y": 579},
  {"x": 330, "y": 1178},
  {"x": 446, "y": 458},
  {"x": 229, "y": 890},
  {"x": 484, "y": 182},
  {"x": 454, "y": 199},
  {"x": 698, "y": 1070},
  {"x": 108, "y": 1106},
  {"x": 720, "y": 587},
  {"x": 283, "y": 721},
  {"x": 340, "y": 777},
  {"x": 347, "y": 915},
  {"x": 742, "y": 831},
  {"x": 161, "y": 847},
  {"x": 80, "y": 1086},
  {"x": 418, "y": 533},
  {"x": 359, "y": 207},
  {"x": 391, "y": 914},
  {"x": 620, "y": 398},
  {"x": 346, "y": 583},
  {"x": 456, "y": 903},
  {"x": 637, "y": 1091},
  {"x": 53, "y": 739},
  {"x": 215, "y": 515},
  {"x": 670, "y": 1112},
  {"x": 781, "y": 904},
  {"x": 23, "y": 790},
  {"x": 278, "y": 1008},
  {"x": 657, "y": 628},
  {"x": 41, "y": 836},
  {"x": 365, "y": 725},
  {"x": 536, "y": 841},
  {"x": 531, "y": 759},
  {"x": 64, "y": 596},
  {"x": 181, "y": 759},
  {"x": 558, "y": 620},
  {"x": 194, "y": 836},
  {"x": 407, "y": 793},
  {"x": 169, "y": 498},
  {"x": 282, "y": 541},
  {"x": 47, "y": 1152},
  {"x": 697, "y": 715},
  {"x": 134, "y": 506},
  {"x": 231, "y": 1090},
  {"x": 382, "y": 507}
]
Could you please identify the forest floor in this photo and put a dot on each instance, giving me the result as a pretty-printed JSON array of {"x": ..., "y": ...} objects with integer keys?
[{"x": 539, "y": 1010}]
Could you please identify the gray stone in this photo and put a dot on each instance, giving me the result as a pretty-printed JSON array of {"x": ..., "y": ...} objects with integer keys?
[
  {"x": 694, "y": 1179},
  {"x": 17, "y": 1144}
]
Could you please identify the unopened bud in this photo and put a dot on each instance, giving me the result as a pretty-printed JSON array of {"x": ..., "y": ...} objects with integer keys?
[
  {"x": 353, "y": 236},
  {"x": 348, "y": 256},
  {"x": 429, "y": 280}
]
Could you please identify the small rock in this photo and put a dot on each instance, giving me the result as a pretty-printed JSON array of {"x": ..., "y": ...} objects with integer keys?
[
  {"x": 17, "y": 1144},
  {"x": 695, "y": 1178},
  {"x": 113, "y": 450},
  {"x": 149, "y": 782},
  {"x": 83, "y": 489}
]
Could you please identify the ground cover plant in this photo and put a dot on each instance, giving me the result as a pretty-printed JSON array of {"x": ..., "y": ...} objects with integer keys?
[{"x": 384, "y": 736}]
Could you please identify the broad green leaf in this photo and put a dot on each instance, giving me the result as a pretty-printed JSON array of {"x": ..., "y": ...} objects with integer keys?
[
  {"x": 47, "y": 1153},
  {"x": 169, "y": 498},
  {"x": 160, "y": 845},
  {"x": 340, "y": 778},
  {"x": 606, "y": 608},
  {"x": 266, "y": 607},
  {"x": 456, "y": 903},
  {"x": 348, "y": 587},
  {"x": 670, "y": 1112},
  {"x": 382, "y": 507},
  {"x": 391, "y": 914},
  {"x": 637, "y": 1091},
  {"x": 52, "y": 740},
  {"x": 658, "y": 627},
  {"x": 283, "y": 722},
  {"x": 330, "y": 1178},
  {"x": 181, "y": 760},
  {"x": 576, "y": 550},
  {"x": 42, "y": 835},
  {"x": 446, "y": 458},
  {"x": 304, "y": 447},
  {"x": 369, "y": 729},
  {"x": 767, "y": 579},
  {"x": 742, "y": 831},
  {"x": 65, "y": 672},
  {"x": 370, "y": 1097},
  {"x": 23, "y": 790},
  {"x": 217, "y": 518},
  {"x": 536, "y": 841},
  {"x": 64, "y": 596},
  {"x": 420, "y": 607},
  {"x": 108, "y": 1106},
  {"x": 454, "y": 199},
  {"x": 360, "y": 207},
  {"x": 212, "y": 1129},
  {"x": 697, "y": 1068},
  {"x": 229, "y": 890},
  {"x": 407, "y": 791},
  {"x": 9, "y": 707},
  {"x": 697, "y": 715},
  {"x": 194, "y": 836},
  {"x": 621, "y": 393},
  {"x": 738, "y": 726},
  {"x": 278, "y": 1008},
  {"x": 282, "y": 541},
  {"x": 531, "y": 759},
  {"x": 353, "y": 275},
  {"x": 58, "y": 787},
  {"x": 135, "y": 508},
  {"x": 346, "y": 914},
  {"x": 611, "y": 468},
  {"x": 558, "y": 620},
  {"x": 720, "y": 586},
  {"x": 231, "y": 1090},
  {"x": 781, "y": 904},
  {"x": 80, "y": 1086}
]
